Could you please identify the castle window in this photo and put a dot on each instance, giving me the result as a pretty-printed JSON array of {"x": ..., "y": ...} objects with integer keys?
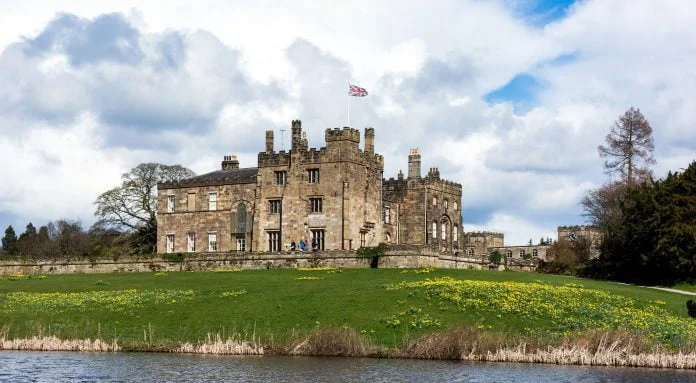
[
  {"x": 281, "y": 178},
  {"x": 171, "y": 203},
  {"x": 456, "y": 205},
  {"x": 317, "y": 239},
  {"x": 445, "y": 203},
  {"x": 313, "y": 176},
  {"x": 522, "y": 253},
  {"x": 471, "y": 252},
  {"x": 170, "y": 243},
  {"x": 275, "y": 206},
  {"x": 212, "y": 201},
  {"x": 387, "y": 215},
  {"x": 443, "y": 228},
  {"x": 191, "y": 201},
  {"x": 509, "y": 253},
  {"x": 274, "y": 241},
  {"x": 434, "y": 230},
  {"x": 315, "y": 205},
  {"x": 362, "y": 238},
  {"x": 241, "y": 242},
  {"x": 434, "y": 201},
  {"x": 455, "y": 233},
  {"x": 212, "y": 242},
  {"x": 191, "y": 243},
  {"x": 535, "y": 253}
]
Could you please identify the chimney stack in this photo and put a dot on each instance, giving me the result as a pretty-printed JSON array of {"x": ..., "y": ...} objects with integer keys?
[
  {"x": 230, "y": 163},
  {"x": 269, "y": 141},
  {"x": 296, "y": 135},
  {"x": 370, "y": 140},
  {"x": 414, "y": 163}
]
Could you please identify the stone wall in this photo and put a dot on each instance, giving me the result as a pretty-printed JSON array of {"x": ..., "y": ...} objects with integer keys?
[{"x": 401, "y": 256}]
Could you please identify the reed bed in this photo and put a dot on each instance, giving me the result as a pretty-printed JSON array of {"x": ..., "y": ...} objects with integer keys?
[
  {"x": 216, "y": 345},
  {"x": 333, "y": 342},
  {"x": 596, "y": 348},
  {"x": 53, "y": 343},
  {"x": 612, "y": 348}
]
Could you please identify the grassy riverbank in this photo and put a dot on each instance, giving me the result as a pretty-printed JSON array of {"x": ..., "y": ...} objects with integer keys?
[{"x": 377, "y": 311}]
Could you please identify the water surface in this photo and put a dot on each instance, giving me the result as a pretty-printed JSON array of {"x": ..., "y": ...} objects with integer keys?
[{"x": 20, "y": 366}]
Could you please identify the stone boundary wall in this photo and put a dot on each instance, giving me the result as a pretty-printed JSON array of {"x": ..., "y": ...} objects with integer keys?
[{"x": 402, "y": 256}]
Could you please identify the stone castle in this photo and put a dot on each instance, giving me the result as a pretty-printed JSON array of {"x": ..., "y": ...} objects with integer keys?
[{"x": 331, "y": 198}]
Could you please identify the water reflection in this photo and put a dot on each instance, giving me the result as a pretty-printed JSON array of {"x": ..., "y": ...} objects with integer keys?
[{"x": 147, "y": 367}]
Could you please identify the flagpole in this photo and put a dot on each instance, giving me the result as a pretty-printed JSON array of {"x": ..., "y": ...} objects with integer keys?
[{"x": 348, "y": 95}]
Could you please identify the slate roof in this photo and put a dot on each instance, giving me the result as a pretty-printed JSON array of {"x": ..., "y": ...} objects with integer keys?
[{"x": 218, "y": 177}]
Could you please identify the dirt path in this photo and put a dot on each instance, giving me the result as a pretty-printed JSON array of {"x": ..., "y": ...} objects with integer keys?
[{"x": 672, "y": 290}]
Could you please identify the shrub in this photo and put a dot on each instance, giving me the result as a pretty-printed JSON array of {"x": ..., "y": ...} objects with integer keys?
[
  {"x": 691, "y": 308},
  {"x": 495, "y": 257}
]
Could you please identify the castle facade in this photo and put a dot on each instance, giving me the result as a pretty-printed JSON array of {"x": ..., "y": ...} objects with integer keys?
[{"x": 331, "y": 198}]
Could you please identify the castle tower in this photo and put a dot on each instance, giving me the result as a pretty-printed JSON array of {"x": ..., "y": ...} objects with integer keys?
[
  {"x": 269, "y": 141},
  {"x": 414, "y": 164},
  {"x": 370, "y": 140}
]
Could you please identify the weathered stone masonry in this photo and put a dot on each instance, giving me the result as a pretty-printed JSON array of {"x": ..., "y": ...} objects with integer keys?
[{"x": 334, "y": 196}]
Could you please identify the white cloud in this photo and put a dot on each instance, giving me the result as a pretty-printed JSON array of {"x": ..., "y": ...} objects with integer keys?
[{"x": 207, "y": 80}]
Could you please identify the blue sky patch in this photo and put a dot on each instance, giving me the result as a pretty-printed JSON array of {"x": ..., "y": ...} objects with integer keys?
[
  {"x": 520, "y": 92},
  {"x": 542, "y": 12}
]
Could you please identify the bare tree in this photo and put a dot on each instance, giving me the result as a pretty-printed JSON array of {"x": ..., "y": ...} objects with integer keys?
[
  {"x": 133, "y": 205},
  {"x": 629, "y": 141},
  {"x": 602, "y": 206}
]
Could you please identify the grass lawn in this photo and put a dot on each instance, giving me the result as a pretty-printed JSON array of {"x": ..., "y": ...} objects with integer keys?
[
  {"x": 685, "y": 287},
  {"x": 275, "y": 304}
]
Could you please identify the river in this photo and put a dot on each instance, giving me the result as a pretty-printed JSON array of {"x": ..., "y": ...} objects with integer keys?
[{"x": 21, "y": 366}]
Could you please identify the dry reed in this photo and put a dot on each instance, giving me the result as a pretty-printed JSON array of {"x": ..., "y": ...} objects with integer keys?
[
  {"x": 609, "y": 348},
  {"x": 597, "y": 348},
  {"x": 214, "y": 344},
  {"x": 333, "y": 342},
  {"x": 52, "y": 343}
]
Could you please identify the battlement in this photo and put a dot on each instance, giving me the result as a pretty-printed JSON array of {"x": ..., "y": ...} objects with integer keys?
[
  {"x": 578, "y": 227},
  {"x": 489, "y": 234},
  {"x": 281, "y": 158},
  {"x": 345, "y": 134}
]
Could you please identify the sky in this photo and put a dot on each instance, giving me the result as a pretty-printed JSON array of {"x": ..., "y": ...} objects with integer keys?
[{"x": 508, "y": 98}]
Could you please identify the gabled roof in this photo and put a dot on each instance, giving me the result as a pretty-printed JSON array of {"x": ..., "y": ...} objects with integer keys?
[{"x": 218, "y": 177}]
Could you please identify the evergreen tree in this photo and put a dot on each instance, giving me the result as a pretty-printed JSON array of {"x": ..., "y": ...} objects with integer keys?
[
  {"x": 27, "y": 243},
  {"x": 9, "y": 241}
]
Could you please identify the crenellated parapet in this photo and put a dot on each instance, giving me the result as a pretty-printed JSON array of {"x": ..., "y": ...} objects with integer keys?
[
  {"x": 345, "y": 134},
  {"x": 281, "y": 158},
  {"x": 487, "y": 234},
  {"x": 577, "y": 227}
]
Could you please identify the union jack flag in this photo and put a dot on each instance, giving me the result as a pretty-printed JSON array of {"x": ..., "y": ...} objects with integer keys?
[{"x": 354, "y": 90}]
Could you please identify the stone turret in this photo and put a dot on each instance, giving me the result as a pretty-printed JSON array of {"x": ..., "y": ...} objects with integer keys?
[
  {"x": 370, "y": 140},
  {"x": 269, "y": 141},
  {"x": 230, "y": 163},
  {"x": 414, "y": 164}
]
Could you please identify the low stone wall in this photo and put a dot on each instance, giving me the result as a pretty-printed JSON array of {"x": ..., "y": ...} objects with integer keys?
[{"x": 395, "y": 257}]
